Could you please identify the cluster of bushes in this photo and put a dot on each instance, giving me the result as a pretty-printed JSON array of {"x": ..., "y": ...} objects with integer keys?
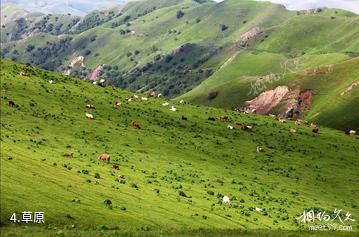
[{"x": 93, "y": 20}]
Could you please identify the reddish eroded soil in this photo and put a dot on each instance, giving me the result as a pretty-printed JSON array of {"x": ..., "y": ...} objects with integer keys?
[
  {"x": 305, "y": 99},
  {"x": 93, "y": 76},
  {"x": 267, "y": 100}
]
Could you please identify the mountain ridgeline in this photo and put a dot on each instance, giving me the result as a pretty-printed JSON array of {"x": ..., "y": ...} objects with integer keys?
[{"x": 232, "y": 54}]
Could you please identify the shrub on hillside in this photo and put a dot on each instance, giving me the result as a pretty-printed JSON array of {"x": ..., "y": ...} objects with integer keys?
[{"x": 212, "y": 95}]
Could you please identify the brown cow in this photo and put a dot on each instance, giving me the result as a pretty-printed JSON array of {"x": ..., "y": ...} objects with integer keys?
[
  {"x": 315, "y": 130},
  {"x": 246, "y": 128},
  {"x": 152, "y": 94},
  {"x": 135, "y": 125},
  {"x": 12, "y": 103},
  {"x": 105, "y": 157},
  {"x": 224, "y": 118},
  {"x": 67, "y": 154},
  {"x": 115, "y": 167},
  {"x": 238, "y": 123}
]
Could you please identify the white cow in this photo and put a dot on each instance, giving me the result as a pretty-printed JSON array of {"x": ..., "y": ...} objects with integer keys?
[
  {"x": 135, "y": 96},
  {"x": 352, "y": 132},
  {"x": 51, "y": 81},
  {"x": 159, "y": 95},
  {"x": 181, "y": 101},
  {"x": 230, "y": 127},
  {"x": 144, "y": 98},
  {"x": 89, "y": 116},
  {"x": 226, "y": 200},
  {"x": 166, "y": 104},
  {"x": 174, "y": 109},
  {"x": 258, "y": 209}
]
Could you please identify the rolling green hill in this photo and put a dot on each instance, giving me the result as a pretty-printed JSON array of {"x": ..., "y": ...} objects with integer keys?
[
  {"x": 191, "y": 50},
  {"x": 142, "y": 40},
  {"x": 331, "y": 105},
  {"x": 175, "y": 171}
]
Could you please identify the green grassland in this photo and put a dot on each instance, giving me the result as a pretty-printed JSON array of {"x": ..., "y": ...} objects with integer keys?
[{"x": 176, "y": 171}]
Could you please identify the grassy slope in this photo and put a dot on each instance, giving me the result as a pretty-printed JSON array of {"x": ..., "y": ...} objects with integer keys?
[
  {"x": 167, "y": 154},
  {"x": 327, "y": 88}
]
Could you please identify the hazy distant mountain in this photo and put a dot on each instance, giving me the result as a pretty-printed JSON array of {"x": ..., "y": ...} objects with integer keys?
[{"x": 75, "y": 7}]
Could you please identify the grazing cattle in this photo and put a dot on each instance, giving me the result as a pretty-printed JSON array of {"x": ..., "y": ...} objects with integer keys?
[
  {"x": 117, "y": 105},
  {"x": 24, "y": 74},
  {"x": 67, "y": 154},
  {"x": 246, "y": 128},
  {"x": 350, "y": 132},
  {"x": 184, "y": 118},
  {"x": 226, "y": 200},
  {"x": 115, "y": 167},
  {"x": 135, "y": 96},
  {"x": 315, "y": 130},
  {"x": 135, "y": 125},
  {"x": 229, "y": 126},
  {"x": 11, "y": 103},
  {"x": 211, "y": 119},
  {"x": 282, "y": 121},
  {"x": 259, "y": 149},
  {"x": 173, "y": 109},
  {"x": 51, "y": 81},
  {"x": 152, "y": 94},
  {"x": 121, "y": 176},
  {"x": 238, "y": 123},
  {"x": 90, "y": 106},
  {"x": 90, "y": 116},
  {"x": 223, "y": 118},
  {"x": 300, "y": 121},
  {"x": 181, "y": 101},
  {"x": 144, "y": 98},
  {"x": 293, "y": 130},
  {"x": 159, "y": 95},
  {"x": 166, "y": 104},
  {"x": 258, "y": 209},
  {"x": 105, "y": 157},
  {"x": 129, "y": 100}
]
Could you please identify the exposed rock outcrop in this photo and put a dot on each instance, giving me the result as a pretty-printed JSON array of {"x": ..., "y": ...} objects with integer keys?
[{"x": 78, "y": 61}]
